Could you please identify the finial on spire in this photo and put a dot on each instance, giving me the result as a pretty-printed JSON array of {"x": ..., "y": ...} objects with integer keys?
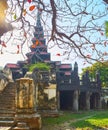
[
  {"x": 76, "y": 68},
  {"x": 38, "y": 24}
]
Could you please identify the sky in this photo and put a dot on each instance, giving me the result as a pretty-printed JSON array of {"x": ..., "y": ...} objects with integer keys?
[{"x": 8, "y": 57}]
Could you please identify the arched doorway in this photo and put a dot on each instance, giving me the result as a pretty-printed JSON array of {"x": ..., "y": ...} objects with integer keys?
[{"x": 66, "y": 100}]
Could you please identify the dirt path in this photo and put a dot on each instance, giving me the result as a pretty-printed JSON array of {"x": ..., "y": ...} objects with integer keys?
[{"x": 65, "y": 125}]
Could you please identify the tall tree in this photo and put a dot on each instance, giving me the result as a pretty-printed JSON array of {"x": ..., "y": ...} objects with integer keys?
[
  {"x": 75, "y": 26},
  {"x": 102, "y": 68}
]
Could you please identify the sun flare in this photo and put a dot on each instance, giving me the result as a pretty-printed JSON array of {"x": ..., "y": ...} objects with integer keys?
[{"x": 3, "y": 7}]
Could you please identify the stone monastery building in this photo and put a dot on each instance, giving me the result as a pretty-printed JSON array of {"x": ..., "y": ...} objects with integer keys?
[{"x": 61, "y": 88}]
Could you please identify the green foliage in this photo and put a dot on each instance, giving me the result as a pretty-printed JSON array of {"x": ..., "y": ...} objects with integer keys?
[
  {"x": 86, "y": 120},
  {"x": 39, "y": 65},
  {"x": 103, "y": 70},
  {"x": 98, "y": 121},
  {"x": 106, "y": 28}
]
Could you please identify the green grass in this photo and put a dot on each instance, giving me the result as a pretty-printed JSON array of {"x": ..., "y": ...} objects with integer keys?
[
  {"x": 65, "y": 116},
  {"x": 90, "y": 120},
  {"x": 98, "y": 121}
]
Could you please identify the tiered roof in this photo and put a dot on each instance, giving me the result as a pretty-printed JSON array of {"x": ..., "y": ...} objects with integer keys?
[{"x": 38, "y": 48}]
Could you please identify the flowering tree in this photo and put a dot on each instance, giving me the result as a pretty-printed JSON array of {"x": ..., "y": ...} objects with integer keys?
[{"x": 77, "y": 27}]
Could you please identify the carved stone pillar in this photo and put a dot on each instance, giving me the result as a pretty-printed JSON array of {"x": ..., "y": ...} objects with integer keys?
[
  {"x": 87, "y": 100},
  {"x": 26, "y": 96},
  {"x": 75, "y": 100},
  {"x": 26, "y": 104},
  {"x": 99, "y": 105},
  {"x": 58, "y": 100}
]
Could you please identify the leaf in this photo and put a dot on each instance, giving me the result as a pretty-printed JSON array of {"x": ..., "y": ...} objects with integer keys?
[
  {"x": 105, "y": 53},
  {"x": 31, "y": 8},
  {"x": 24, "y": 12},
  {"x": 99, "y": 29},
  {"x": 37, "y": 42},
  {"x": 40, "y": 9},
  {"x": 3, "y": 44},
  {"x": 1, "y": 52},
  {"x": 102, "y": 59},
  {"x": 106, "y": 34},
  {"x": 18, "y": 46},
  {"x": 88, "y": 56},
  {"x": 106, "y": 28},
  {"x": 29, "y": 1},
  {"x": 17, "y": 51},
  {"x": 84, "y": 63},
  {"x": 105, "y": 43},
  {"x": 102, "y": 33},
  {"x": 92, "y": 46},
  {"x": 15, "y": 16},
  {"x": 25, "y": 34},
  {"x": 33, "y": 46},
  {"x": 58, "y": 54}
]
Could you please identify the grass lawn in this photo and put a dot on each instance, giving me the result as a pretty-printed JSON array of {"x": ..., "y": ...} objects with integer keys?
[{"x": 86, "y": 120}]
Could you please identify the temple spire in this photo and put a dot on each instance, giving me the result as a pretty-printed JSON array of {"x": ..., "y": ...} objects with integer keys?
[
  {"x": 76, "y": 68},
  {"x": 38, "y": 40},
  {"x": 38, "y": 24}
]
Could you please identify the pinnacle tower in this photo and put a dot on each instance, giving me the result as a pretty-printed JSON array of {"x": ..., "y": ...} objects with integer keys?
[
  {"x": 39, "y": 33},
  {"x": 38, "y": 48}
]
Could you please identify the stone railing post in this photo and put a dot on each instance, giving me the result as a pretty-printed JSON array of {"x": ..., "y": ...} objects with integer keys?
[
  {"x": 75, "y": 100},
  {"x": 99, "y": 105},
  {"x": 26, "y": 104},
  {"x": 87, "y": 100},
  {"x": 25, "y": 96}
]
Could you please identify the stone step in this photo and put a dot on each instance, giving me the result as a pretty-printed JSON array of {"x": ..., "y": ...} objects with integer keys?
[
  {"x": 6, "y": 114},
  {"x": 18, "y": 128},
  {"x": 7, "y": 100},
  {"x": 7, "y": 104},
  {"x": 5, "y": 118},
  {"x": 7, "y": 111},
  {"x": 21, "y": 126},
  {"x": 6, "y": 123},
  {"x": 7, "y": 107},
  {"x": 7, "y": 95},
  {"x": 7, "y": 90}
]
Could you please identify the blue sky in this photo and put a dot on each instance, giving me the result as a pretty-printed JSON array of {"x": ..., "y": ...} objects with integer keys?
[{"x": 8, "y": 57}]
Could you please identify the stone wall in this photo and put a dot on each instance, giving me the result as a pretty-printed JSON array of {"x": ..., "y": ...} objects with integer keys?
[
  {"x": 45, "y": 83},
  {"x": 47, "y": 97}
]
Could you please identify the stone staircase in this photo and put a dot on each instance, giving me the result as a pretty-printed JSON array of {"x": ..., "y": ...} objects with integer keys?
[
  {"x": 6, "y": 121},
  {"x": 7, "y": 105}
]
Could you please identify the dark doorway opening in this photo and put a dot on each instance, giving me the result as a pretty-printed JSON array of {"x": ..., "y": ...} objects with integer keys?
[
  {"x": 66, "y": 100},
  {"x": 94, "y": 101},
  {"x": 82, "y": 101}
]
